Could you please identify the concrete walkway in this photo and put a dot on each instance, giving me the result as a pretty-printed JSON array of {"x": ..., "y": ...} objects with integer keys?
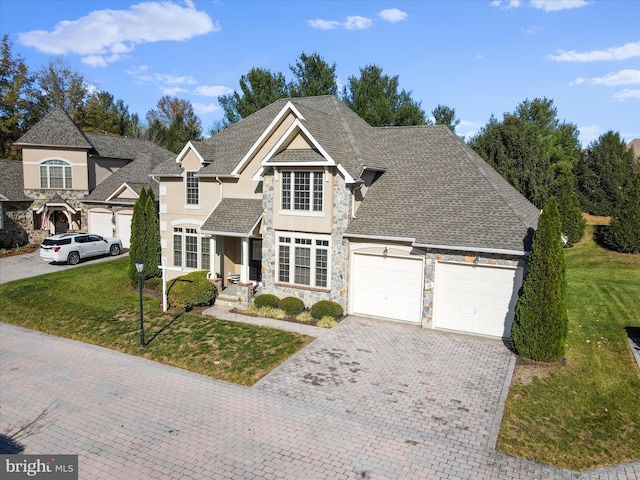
[
  {"x": 368, "y": 399},
  {"x": 225, "y": 313}
]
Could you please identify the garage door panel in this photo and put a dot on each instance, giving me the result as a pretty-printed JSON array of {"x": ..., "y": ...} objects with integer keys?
[
  {"x": 100, "y": 223},
  {"x": 388, "y": 287},
  {"x": 476, "y": 298},
  {"x": 123, "y": 227}
]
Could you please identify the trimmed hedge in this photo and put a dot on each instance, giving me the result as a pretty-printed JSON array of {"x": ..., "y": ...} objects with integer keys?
[
  {"x": 291, "y": 305},
  {"x": 191, "y": 290},
  {"x": 326, "y": 308},
  {"x": 266, "y": 300}
]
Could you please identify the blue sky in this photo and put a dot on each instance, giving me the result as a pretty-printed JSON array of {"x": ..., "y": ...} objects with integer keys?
[{"x": 481, "y": 57}]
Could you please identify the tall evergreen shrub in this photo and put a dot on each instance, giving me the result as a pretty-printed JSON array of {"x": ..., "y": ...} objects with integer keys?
[
  {"x": 137, "y": 239},
  {"x": 571, "y": 219},
  {"x": 623, "y": 233},
  {"x": 539, "y": 329},
  {"x": 151, "y": 255}
]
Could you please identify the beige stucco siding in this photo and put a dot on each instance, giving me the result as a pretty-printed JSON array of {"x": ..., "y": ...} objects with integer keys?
[
  {"x": 33, "y": 157},
  {"x": 100, "y": 169}
]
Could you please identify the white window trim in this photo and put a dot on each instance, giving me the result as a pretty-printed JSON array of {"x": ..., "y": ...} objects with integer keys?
[
  {"x": 314, "y": 247},
  {"x": 307, "y": 213},
  {"x": 52, "y": 163},
  {"x": 183, "y": 252}
]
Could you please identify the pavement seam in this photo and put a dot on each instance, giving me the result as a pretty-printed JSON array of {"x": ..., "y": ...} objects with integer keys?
[{"x": 497, "y": 419}]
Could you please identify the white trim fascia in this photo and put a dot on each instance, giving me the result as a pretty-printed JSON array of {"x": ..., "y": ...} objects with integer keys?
[
  {"x": 215, "y": 175},
  {"x": 161, "y": 175},
  {"x": 268, "y": 131},
  {"x": 471, "y": 249},
  {"x": 184, "y": 151},
  {"x": 256, "y": 224},
  {"x": 347, "y": 176},
  {"x": 226, "y": 234},
  {"x": 121, "y": 189},
  {"x": 56, "y": 204},
  {"x": 380, "y": 237},
  {"x": 186, "y": 221}
]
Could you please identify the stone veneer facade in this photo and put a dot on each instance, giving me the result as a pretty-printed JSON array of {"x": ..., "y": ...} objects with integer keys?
[{"x": 339, "y": 248}]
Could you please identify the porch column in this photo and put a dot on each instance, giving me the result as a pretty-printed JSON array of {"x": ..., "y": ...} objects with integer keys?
[
  {"x": 215, "y": 261},
  {"x": 244, "y": 267}
]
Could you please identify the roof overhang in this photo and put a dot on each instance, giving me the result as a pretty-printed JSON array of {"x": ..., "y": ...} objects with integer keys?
[{"x": 461, "y": 248}]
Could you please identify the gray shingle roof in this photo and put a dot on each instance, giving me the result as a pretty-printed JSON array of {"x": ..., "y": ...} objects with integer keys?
[
  {"x": 234, "y": 216},
  {"x": 12, "y": 181},
  {"x": 55, "y": 129},
  {"x": 439, "y": 192},
  {"x": 113, "y": 146},
  {"x": 297, "y": 155}
]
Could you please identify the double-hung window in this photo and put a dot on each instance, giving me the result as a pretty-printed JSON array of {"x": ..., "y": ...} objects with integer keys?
[
  {"x": 302, "y": 191},
  {"x": 193, "y": 189},
  {"x": 303, "y": 259},
  {"x": 190, "y": 250},
  {"x": 55, "y": 174}
]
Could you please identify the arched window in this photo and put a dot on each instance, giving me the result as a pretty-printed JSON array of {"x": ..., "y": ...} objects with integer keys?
[{"x": 55, "y": 174}]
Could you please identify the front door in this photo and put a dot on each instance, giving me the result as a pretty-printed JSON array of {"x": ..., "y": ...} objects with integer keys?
[{"x": 255, "y": 259}]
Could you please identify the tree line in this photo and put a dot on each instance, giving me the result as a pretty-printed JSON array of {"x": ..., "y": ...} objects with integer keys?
[{"x": 530, "y": 147}]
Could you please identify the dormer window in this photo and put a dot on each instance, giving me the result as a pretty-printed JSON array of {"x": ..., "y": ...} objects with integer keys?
[
  {"x": 193, "y": 189},
  {"x": 55, "y": 174},
  {"x": 302, "y": 190}
]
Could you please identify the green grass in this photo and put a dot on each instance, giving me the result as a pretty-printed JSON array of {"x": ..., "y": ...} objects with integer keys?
[
  {"x": 92, "y": 304},
  {"x": 585, "y": 412}
]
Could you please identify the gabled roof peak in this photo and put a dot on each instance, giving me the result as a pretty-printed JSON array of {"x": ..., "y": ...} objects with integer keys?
[{"x": 55, "y": 129}]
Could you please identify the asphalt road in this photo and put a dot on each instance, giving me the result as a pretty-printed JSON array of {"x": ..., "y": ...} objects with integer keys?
[{"x": 30, "y": 265}]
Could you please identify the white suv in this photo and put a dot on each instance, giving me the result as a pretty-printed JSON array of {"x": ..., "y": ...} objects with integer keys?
[{"x": 71, "y": 247}]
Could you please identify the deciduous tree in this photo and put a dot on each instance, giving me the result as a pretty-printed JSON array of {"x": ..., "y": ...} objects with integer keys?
[
  {"x": 59, "y": 85},
  {"x": 539, "y": 330},
  {"x": 173, "y": 123}
]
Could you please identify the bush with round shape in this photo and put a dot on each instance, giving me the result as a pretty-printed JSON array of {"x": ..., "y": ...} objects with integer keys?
[
  {"x": 191, "y": 290},
  {"x": 291, "y": 305},
  {"x": 326, "y": 308},
  {"x": 266, "y": 300}
]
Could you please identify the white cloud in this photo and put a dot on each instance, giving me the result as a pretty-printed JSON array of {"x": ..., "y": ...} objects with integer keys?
[
  {"x": 505, "y": 4},
  {"x": 624, "y": 52},
  {"x": 623, "y": 77},
  {"x": 104, "y": 36},
  {"x": 392, "y": 15},
  {"x": 589, "y": 133},
  {"x": 556, "y": 5},
  {"x": 173, "y": 91},
  {"x": 531, "y": 30},
  {"x": 212, "y": 90},
  {"x": 351, "y": 23},
  {"x": 626, "y": 94},
  {"x": 480, "y": 56},
  {"x": 202, "y": 108}
]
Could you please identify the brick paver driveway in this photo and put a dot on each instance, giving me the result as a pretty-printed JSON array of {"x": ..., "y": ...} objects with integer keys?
[{"x": 367, "y": 400}]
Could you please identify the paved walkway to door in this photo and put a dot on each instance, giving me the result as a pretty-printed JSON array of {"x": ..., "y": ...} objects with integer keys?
[{"x": 369, "y": 399}]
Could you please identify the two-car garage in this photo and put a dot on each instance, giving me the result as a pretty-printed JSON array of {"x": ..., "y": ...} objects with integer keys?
[{"x": 469, "y": 298}]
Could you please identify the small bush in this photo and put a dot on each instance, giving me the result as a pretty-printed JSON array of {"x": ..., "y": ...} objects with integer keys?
[
  {"x": 305, "y": 317},
  {"x": 154, "y": 283},
  {"x": 326, "y": 308},
  {"x": 268, "y": 312},
  {"x": 191, "y": 290},
  {"x": 291, "y": 305},
  {"x": 266, "y": 300},
  {"x": 327, "y": 322}
]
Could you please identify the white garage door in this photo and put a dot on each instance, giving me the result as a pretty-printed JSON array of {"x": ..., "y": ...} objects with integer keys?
[
  {"x": 388, "y": 287},
  {"x": 100, "y": 223},
  {"x": 476, "y": 299},
  {"x": 123, "y": 227}
]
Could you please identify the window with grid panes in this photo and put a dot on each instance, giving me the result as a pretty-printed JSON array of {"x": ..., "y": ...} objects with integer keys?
[
  {"x": 302, "y": 190},
  {"x": 303, "y": 260},
  {"x": 193, "y": 189},
  {"x": 55, "y": 174}
]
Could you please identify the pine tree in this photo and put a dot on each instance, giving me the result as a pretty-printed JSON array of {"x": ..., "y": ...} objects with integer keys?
[
  {"x": 623, "y": 233},
  {"x": 151, "y": 255},
  {"x": 138, "y": 223},
  {"x": 571, "y": 219},
  {"x": 539, "y": 329}
]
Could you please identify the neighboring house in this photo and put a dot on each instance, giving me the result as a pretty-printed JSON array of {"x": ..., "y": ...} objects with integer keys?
[
  {"x": 13, "y": 205},
  {"x": 635, "y": 146},
  {"x": 79, "y": 181},
  {"x": 305, "y": 199}
]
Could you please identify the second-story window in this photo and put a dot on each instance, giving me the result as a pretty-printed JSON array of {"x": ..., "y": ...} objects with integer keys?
[
  {"x": 302, "y": 191},
  {"x": 193, "y": 189},
  {"x": 55, "y": 174}
]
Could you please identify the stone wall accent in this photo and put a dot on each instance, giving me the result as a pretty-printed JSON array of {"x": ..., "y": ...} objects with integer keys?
[
  {"x": 17, "y": 218},
  {"x": 339, "y": 248},
  {"x": 432, "y": 255},
  {"x": 40, "y": 197}
]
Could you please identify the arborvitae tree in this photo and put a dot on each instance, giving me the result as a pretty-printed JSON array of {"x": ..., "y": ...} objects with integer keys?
[
  {"x": 152, "y": 243},
  {"x": 539, "y": 329},
  {"x": 623, "y": 233},
  {"x": 138, "y": 231},
  {"x": 571, "y": 219}
]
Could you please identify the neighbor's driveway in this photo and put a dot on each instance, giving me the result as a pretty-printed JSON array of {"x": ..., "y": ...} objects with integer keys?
[
  {"x": 18, "y": 267},
  {"x": 369, "y": 399}
]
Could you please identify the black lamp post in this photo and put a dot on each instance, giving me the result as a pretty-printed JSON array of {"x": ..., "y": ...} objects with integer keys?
[{"x": 140, "y": 268}]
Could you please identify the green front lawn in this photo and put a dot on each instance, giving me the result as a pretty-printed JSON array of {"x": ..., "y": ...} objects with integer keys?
[
  {"x": 585, "y": 412},
  {"x": 92, "y": 304}
]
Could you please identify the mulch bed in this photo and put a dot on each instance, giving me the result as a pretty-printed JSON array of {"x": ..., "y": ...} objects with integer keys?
[{"x": 19, "y": 251}]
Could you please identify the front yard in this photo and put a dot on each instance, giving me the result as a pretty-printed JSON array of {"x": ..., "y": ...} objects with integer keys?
[
  {"x": 585, "y": 411},
  {"x": 91, "y": 304}
]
